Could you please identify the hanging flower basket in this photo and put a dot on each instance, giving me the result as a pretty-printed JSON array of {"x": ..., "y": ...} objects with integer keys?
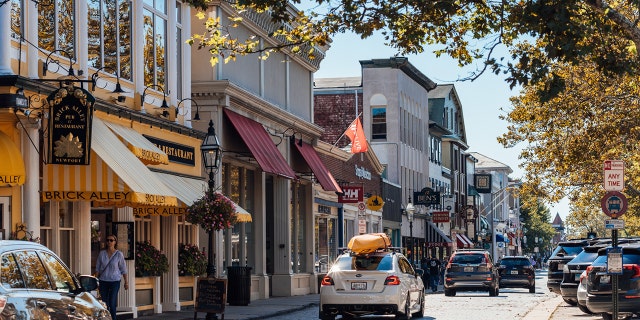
[
  {"x": 150, "y": 262},
  {"x": 191, "y": 261},
  {"x": 212, "y": 212}
]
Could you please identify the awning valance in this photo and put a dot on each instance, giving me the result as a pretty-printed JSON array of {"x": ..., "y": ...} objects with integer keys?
[
  {"x": 323, "y": 175},
  {"x": 189, "y": 190},
  {"x": 12, "y": 172},
  {"x": 463, "y": 241},
  {"x": 144, "y": 149},
  {"x": 260, "y": 144},
  {"x": 114, "y": 177},
  {"x": 436, "y": 237}
]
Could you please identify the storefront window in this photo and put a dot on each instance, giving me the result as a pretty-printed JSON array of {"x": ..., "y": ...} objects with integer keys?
[
  {"x": 155, "y": 42},
  {"x": 326, "y": 243},
  {"x": 56, "y": 25},
  {"x": 297, "y": 224},
  {"x": 109, "y": 36},
  {"x": 238, "y": 186}
]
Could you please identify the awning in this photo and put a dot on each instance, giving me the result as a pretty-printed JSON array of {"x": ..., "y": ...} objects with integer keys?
[
  {"x": 261, "y": 146},
  {"x": 12, "y": 171},
  {"x": 189, "y": 190},
  {"x": 323, "y": 175},
  {"x": 463, "y": 241},
  {"x": 144, "y": 149},
  {"x": 115, "y": 176},
  {"x": 436, "y": 237}
]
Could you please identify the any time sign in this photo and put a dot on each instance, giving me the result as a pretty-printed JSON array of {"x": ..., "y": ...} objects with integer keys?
[{"x": 613, "y": 175}]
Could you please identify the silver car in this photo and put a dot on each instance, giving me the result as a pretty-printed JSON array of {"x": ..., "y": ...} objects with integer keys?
[
  {"x": 378, "y": 283},
  {"x": 36, "y": 284}
]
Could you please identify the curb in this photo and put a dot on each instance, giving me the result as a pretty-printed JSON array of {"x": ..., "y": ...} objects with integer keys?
[{"x": 283, "y": 312}]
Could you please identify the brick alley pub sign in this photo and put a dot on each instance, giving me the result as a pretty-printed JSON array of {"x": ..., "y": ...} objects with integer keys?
[
  {"x": 70, "y": 126},
  {"x": 426, "y": 197}
]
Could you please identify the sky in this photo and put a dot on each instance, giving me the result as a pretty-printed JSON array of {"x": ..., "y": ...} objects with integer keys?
[{"x": 482, "y": 99}]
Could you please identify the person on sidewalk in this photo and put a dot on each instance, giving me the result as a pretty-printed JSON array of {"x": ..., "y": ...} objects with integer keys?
[
  {"x": 434, "y": 272},
  {"x": 110, "y": 269}
]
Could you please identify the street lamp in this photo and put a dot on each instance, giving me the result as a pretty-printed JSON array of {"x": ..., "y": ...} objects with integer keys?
[
  {"x": 410, "y": 210},
  {"x": 211, "y": 155}
]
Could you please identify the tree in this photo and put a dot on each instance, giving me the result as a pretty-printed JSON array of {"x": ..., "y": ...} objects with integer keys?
[
  {"x": 538, "y": 33},
  {"x": 535, "y": 218},
  {"x": 571, "y": 135}
]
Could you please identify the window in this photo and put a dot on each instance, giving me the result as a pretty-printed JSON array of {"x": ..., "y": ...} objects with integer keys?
[
  {"x": 10, "y": 275},
  {"x": 33, "y": 271},
  {"x": 379, "y": 123},
  {"x": 109, "y": 36},
  {"x": 59, "y": 274},
  {"x": 179, "y": 44},
  {"x": 155, "y": 42},
  {"x": 56, "y": 26},
  {"x": 238, "y": 186}
]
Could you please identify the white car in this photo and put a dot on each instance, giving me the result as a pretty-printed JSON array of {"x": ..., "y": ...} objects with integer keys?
[
  {"x": 377, "y": 283},
  {"x": 582, "y": 293}
]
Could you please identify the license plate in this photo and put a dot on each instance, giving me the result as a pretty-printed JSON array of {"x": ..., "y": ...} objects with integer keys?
[
  {"x": 358, "y": 286},
  {"x": 605, "y": 279},
  {"x": 560, "y": 266},
  {"x": 577, "y": 277},
  {"x": 468, "y": 269},
  {"x": 514, "y": 271}
]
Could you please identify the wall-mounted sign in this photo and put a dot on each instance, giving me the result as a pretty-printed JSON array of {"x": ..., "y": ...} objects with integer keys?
[
  {"x": 70, "y": 126},
  {"x": 482, "y": 183},
  {"x": 426, "y": 197},
  {"x": 362, "y": 173},
  {"x": 440, "y": 216},
  {"x": 350, "y": 194},
  {"x": 177, "y": 153},
  {"x": 375, "y": 203}
]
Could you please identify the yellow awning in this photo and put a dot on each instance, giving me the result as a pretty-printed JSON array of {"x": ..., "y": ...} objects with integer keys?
[
  {"x": 144, "y": 149},
  {"x": 114, "y": 177},
  {"x": 189, "y": 190},
  {"x": 12, "y": 171}
]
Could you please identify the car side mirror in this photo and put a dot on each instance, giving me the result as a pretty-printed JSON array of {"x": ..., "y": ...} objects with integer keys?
[
  {"x": 419, "y": 272},
  {"x": 88, "y": 283}
]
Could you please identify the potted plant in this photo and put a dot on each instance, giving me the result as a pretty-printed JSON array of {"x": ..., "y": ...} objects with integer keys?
[
  {"x": 150, "y": 262},
  {"x": 191, "y": 261},
  {"x": 212, "y": 212}
]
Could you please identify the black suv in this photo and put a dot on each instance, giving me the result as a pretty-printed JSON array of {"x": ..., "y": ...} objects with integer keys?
[
  {"x": 471, "y": 270},
  {"x": 517, "y": 272},
  {"x": 572, "y": 271},
  {"x": 599, "y": 283},
  {"x": 561, "y": 255}
]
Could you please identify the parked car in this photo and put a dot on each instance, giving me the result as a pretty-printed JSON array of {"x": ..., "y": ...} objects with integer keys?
[
  {"x": 517, "y": 272},
  {"x": 561, "y": 255},
  {"x": 599, "y": 288},
  {"x": 471, "y": 270},
  {"x": 36, "y": 284},
  {"x": 572, "y": 270},
  {"x": 581, "y": 293},
  {"x": 378, "y": 283}
]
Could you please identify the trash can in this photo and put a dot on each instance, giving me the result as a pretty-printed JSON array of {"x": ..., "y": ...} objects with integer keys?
[{"x": 239, "y": 288}]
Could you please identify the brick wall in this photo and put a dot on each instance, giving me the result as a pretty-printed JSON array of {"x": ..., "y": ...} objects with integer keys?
[{"x": 334, "y": 113}]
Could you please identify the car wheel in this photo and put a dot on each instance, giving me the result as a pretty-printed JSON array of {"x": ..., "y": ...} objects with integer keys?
[
  {"x": 570, "y": 302},
  {"x": 420, "y": 313},
  {"x": 407, "y": 311},
  {"x": 532, "y": 289},
  {"x": 449, "y": 292},
  {"x": 584, "y": 309}
]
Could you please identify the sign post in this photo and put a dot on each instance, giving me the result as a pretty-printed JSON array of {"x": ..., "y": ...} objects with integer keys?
[{"x": 614, "y": 205}]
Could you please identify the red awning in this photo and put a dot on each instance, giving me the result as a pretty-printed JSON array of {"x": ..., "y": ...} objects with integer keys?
[
  {"x": 323, "y": 175},
  {"x": 463, "y": 241},
  {"x": 261, "y": 146}
]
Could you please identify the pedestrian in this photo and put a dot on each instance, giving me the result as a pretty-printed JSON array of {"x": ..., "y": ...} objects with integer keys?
[
  {"x": 110, "y": 269},
  {"x": 425, "y": 268},
  {"x": 434, "y": 271}
]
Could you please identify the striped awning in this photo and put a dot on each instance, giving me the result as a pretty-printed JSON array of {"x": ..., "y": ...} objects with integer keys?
[
  {"x": 12, "y": 172},
  {"x": 144, "y": 149},
  {"x": 436, "y": 237},
  {"x": 189, "y": 190},
  {"x": 114, "y": 177}
]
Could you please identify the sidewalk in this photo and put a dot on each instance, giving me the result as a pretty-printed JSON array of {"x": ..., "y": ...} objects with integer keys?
[{"x": 257, "y": 309}]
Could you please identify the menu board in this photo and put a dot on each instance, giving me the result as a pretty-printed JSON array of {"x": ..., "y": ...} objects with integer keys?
[{"x": 211, "y": 295}]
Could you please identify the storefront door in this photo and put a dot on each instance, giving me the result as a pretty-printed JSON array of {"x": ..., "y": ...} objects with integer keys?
[{"x": 5, "y": 217}]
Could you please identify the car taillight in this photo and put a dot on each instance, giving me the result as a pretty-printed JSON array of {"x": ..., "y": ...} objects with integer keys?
[
  {"x": 392, "y": 281},
  {"x": 326, "y": 281},
  {"x": 634, "y": 268}
]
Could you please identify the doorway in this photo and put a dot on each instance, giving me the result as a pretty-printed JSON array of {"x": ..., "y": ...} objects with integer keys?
[
  {"x": 5, "y": 217},
  {"x": 101, "y": 220}
]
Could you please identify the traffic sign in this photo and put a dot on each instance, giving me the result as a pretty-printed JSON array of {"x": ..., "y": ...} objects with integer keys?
[
  {"x": 613, "y": 175},
  {"x": 614, "y": 204},
  {"x": 614, "y": 224}
]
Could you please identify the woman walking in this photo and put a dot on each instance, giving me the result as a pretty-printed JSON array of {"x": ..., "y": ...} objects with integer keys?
[{"x": 110, "y": 268}]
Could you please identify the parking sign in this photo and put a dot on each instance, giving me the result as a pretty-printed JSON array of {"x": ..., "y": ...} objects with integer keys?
[{"x": 613, "y": 175}]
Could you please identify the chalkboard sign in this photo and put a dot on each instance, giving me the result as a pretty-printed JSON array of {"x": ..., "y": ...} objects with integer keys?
[{"x": 211, "y": 295}]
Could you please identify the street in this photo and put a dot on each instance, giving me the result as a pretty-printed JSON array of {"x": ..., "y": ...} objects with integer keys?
[{"x": 510, "y": 304}]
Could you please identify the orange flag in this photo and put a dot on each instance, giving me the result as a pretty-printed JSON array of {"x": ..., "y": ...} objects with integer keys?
[{"x": 356, "y": 134}]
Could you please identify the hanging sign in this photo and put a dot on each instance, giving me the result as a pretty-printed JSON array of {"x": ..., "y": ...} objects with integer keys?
[
  {"x": 70, "y": 126},
  {"x": 375, "y": 203},
  {"x": 427, "y": 197},
  {"x": 350, "y": 194}
]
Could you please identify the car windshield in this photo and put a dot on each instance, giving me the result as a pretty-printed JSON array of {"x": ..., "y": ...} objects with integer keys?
[
  {"x": 468, "y": 258},
  {"x": 376, "y": 262},
  {"x": 626, "y": 259},
  {"x": 584, "y": 257},
  {"x": 515, "y": 262},
  {"x": 567, "y": 250}
]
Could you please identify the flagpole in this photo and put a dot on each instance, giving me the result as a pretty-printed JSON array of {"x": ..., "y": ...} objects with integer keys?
[{"x": 354, "y": 120}]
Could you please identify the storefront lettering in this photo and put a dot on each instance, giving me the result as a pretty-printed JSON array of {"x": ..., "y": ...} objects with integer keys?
[
  {"x": 164, "y": 211},
  {"x": 10, "y": 179},
  {"x": 84, "y": 196},
  {"x": 146, "y": 154},
  {"x": 176, "y": 152},
  {"x": 155, "y": 199},
  {"x": 362, "y": 173}
]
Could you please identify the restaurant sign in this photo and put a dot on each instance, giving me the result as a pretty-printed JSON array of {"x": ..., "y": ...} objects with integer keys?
[
  {"x": 70, "y": 126},
  {"x": 177, "y": 153}
]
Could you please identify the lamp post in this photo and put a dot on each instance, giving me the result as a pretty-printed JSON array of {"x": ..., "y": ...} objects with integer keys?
[{"x": 410, "y": 210}]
